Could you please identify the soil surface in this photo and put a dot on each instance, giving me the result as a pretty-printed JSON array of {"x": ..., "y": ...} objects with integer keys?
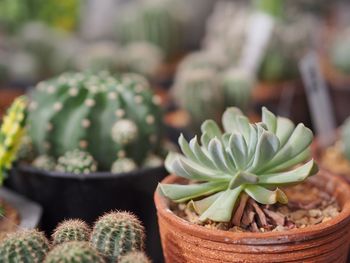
[
  {"x": 307, "y": 206},
  {"x": 334, "y": 155},
  {"x": 11, "y": 220}
]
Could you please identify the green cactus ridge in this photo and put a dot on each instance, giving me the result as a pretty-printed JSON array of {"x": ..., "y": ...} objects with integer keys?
[
  {"x": 44, "y": 162},
  {"x": 123, "y": 165},
  {"x": 74, "y": 252},
  {"x": 79, "y": 111},
  {"x": 71, "y": 230},
  {"x": 76, "y": 161},
  {"x": 135, "y": 257},
  {"x": 116, "y": 234},
  {"x": 28, "y": 246}
]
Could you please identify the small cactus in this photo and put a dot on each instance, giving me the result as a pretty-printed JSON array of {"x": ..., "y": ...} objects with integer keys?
[
  {"x": 74, "y": 252},
  {"x": 152, "y": 161},
  {"x": 135, "y": 257},
  {"x": 124, "y": 132},
  {"x": 76, "y": 161},
  {"x": 28, "y": 246},
  {"x": 123, "y": 165},
  {"x": 71, "y": 230},
  {"x": 44, "y": 162},
  {"x": 116, "y": 234}
]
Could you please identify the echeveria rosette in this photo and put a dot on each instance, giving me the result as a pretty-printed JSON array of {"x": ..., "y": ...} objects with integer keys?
[
  {"x": 251, "y": 158},
  {"x": 11, "y": 132}
]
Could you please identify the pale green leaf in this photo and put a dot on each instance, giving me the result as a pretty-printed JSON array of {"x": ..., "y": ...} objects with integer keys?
[
  {"x": 265, "y": 196},
  {"x": 201, "y": 205},
  {"x": 285, "y": 128},
  {"x": 269, "y": 119}
]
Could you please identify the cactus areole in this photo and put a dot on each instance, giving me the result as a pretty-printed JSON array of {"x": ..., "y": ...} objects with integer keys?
[
  {"x": 251, "y": 158},
  {"x": 109, "y": 117}
]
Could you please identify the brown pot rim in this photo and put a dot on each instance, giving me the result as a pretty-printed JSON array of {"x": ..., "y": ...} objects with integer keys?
[{"x": 267, "y": 238}]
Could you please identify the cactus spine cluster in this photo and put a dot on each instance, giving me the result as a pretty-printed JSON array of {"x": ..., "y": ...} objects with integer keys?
[
  {"x": 135, "y": 257},
  {"x": 152, "y": 21},
  {"x": 74, "y": 252},
  {"x": 77, "y": 162},
  {"x": 123, "y": 165},
  {"x": 79, "y": 111},
  {"x": 11, "y": 133},
  {"x": 71, "y": 230},
  {"x": 28, "y": 246},
  {"x": 116, "y": 234},
  {"x": 44, "y": 162}
]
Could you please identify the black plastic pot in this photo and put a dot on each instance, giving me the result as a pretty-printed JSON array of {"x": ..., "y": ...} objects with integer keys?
[{"x": 88, "y": 196}]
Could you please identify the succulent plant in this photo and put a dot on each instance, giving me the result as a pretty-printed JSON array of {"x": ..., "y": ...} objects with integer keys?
[
  {"x": 340, "y": 53},
  {"x": 251, "y": 158},
  {"x": 44, "y": 162},
  {"x": 237, "y": 87},
  {"x": 71, "y": 230},
  {"x": 198, "y": 91},
  {"x": 143, "y": 58},
  {"x": 28, "y": 246},
  {"x": 345, "y": 138},
  {"x": 152, "y": 21},
  {"x": 123, "y": 165},
  {"x": 77, "y": 162},
  {"x": 135, "y": 257},
  {"x": 79, "y": 111},
  {"x": 11, "y": 132},
  {"x": 116, "y": 234},
  {"x": 98, "y": 56},
  {"x": 74, "y": 252}
]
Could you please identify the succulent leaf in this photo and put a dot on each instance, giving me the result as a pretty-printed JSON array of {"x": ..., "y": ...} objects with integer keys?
[{"x": 251, "y": 158}]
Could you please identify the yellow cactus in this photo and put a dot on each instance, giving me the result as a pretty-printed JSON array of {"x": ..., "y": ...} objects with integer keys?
[{"x": 11, "y": 132}]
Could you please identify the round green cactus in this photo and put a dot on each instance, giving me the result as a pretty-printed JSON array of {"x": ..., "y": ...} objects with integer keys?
[
  {"x": 123, "y": 165},
  {"x": 340, "y": 53},
  {"x": 79, "y": 111},
  {"x": 74, "y": 252},
  {"x": 237, "y": 87},
  {"x": 135, "y": 257},
  {"x": 71, "y": 230},
  {"x": 116, "y": 234},
  {"x": 76, "y": 161},
  {"x": 251, "y": 158},
  {"x": 28, "y": 246},
  {"x": 156, "y": 22},
  {"x": 198, "y": 91},
  {"x": 44, "y": 162}
]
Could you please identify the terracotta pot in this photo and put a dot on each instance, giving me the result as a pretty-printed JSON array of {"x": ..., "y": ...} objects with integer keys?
[
  {"x": 184, "y": 242},
  {"x": 283, "y": 98}
]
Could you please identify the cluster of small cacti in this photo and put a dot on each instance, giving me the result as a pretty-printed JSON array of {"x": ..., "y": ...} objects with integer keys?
[
  {"x": 205, "y": 88},
  {"x": 11, "y": 132},
  {"x": 153, "y": 21},
  {"x": 115, "y": 237},
  {"x": 83, "y": 122}
]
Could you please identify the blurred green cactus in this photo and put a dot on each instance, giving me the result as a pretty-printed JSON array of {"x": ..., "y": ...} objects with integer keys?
[
  {"x": 135, "y": 257},
  {"x": 28, "y": 246},
  {"x": 74, "y": 252},
  {"x": 77, "y": 162}
]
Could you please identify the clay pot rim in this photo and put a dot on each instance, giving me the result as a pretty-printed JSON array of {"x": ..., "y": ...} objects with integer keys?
[{"x": 266, "y": 238}]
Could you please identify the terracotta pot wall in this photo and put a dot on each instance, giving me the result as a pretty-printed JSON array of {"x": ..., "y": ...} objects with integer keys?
[{"x": 184, "y": 242}]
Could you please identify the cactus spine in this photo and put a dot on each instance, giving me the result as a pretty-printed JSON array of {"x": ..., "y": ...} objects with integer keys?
[
  {"x": 71, "y": 230},
  {"x": 44, "y": 162},
  {"x": 79, "y": 111},
  {"x": 74, "y": 252},
  {"x": 135, "y": 257},
  {"x": 116, "y": 234},
  {"x": 123, "y": 165},
  {"x": 28, "y": 246}
]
